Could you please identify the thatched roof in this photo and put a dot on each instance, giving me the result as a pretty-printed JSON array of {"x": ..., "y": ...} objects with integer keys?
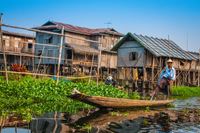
[{"x": 83, "y": 49}]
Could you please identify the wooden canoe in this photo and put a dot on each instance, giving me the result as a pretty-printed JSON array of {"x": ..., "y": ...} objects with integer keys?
[{"x": 108, "y": 102}]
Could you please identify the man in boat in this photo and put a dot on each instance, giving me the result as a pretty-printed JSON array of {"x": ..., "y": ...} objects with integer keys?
[{"x": 167, "y": 76}]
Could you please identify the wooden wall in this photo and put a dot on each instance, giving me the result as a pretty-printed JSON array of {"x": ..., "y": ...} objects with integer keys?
[
  {"x": 109, "y": 60},
  {"x": 124, "y": 53},
  {"x": 18, "y": 45}
]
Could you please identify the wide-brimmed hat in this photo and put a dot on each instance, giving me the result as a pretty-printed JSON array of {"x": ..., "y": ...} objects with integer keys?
[{"x": 169, "y": 61}]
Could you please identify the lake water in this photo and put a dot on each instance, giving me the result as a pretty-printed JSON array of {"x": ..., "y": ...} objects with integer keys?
[{"x": 128, "y": 121}]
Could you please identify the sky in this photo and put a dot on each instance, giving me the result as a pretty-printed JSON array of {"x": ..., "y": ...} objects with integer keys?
[{"x": 177, "y": 19}]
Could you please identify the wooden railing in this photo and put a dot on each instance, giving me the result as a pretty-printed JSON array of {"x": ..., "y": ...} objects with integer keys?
[
  {"x": 83, "y": 62},
  {"x": 17, "y": 50}
]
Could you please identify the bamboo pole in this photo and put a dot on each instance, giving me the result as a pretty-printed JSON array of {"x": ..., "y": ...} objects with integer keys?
[
  {"x": 48, "y": 32},
  {"x": 46, "y": 75},
  {"x": 91, "y": 67},
  {"x": 152, "y": 72},
  {"x": 31, "y": 55},
  {"x": 99, "y": 60},
  {"x": 3, "y": 46},
  {"x": 60, "y": 55},
  {"x": 199, "y": 70},
  {"x": 41, "y": 44}
]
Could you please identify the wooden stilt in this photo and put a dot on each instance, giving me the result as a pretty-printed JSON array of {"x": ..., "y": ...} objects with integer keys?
[
  {"x": 99, "y": 60},
  {"x": 3, "y": 46},
  {"x": 60, "y": 55},
  {"x": 152, "y": 73},
  {"x": 199, "y": 70}
]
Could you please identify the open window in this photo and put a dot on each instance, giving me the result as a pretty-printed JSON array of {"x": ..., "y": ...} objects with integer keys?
[
  {"x": 69, "y": 54},
  {"x": 30, "y": 45},
  {"x": 133, "y": 56}
]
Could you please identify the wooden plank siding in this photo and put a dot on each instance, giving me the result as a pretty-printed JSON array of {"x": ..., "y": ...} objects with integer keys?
[{"x": 16, "y": 46}]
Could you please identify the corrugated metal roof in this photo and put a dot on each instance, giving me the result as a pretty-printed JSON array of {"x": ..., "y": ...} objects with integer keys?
[
  {"x": 78, "y": 29},
  {"x": 18, "y": 34},
  {"x": 158, "y": 47},
  {"x": 195, "y": 54}
]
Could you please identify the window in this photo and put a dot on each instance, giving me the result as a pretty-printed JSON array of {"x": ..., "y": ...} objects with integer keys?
[
  {"x": 30, "y": 45},
  {"x": 69, "y": 54},
  {"x": 133, "y": 56},
  {"x": 49, "y": 40}
]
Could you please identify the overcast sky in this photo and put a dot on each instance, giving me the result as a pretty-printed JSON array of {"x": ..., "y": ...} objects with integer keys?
[{"x": 157, "y": 18}]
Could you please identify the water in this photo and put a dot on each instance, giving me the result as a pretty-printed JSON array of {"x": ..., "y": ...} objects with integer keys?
[
  {"x": 192, "y": 103},
  {"x": 129, "y": 121}
]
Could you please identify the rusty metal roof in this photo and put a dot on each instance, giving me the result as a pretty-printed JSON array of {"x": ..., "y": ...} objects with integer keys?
[
  {"x": 158, "y": 47},
  {"x": 77, "y": 29}
]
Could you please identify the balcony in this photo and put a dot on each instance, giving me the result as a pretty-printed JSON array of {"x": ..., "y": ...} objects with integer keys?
[
  {"x": 27, "y": 50},
  {"x": 11, "y": 49},
  {"x": 85, "y": 63}
]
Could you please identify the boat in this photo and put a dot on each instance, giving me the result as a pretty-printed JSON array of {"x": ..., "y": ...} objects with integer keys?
[{"x": 108, "y": 102}]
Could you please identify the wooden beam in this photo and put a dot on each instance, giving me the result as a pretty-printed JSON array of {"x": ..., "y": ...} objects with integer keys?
[
  {"x": 99, "y": 60},
  {"x": 48, "y": 32},
  {"x": 60, "y": 55},
  {"x": 3, "y": 46},
  {"x": 199, "y": 70},
  {"x": 152, "y": 72}
]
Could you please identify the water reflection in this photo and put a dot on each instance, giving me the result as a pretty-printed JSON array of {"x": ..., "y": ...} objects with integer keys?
[{"x": 15, "y": 130}]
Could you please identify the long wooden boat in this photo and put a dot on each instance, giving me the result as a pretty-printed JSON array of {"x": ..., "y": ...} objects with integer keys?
[{"x": 108, "y": 102}]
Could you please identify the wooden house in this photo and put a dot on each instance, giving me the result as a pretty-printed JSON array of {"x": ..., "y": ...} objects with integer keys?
[
  {"x": 147, "y": 56},
  {"x": 79, "y": 56},
  {"x": 16, "y": 45}
]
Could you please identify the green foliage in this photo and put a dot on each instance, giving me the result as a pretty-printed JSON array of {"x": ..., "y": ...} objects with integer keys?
[
  {"x": 134, "y": 95},
  {"x": 185, "y": 91},
  {"x": 30, "y": 96}
]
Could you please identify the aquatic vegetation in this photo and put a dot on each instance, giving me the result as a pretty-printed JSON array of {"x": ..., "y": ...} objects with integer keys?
[
  {"x": 185, "y": 91},
  {"x": 30, "y": 96}
]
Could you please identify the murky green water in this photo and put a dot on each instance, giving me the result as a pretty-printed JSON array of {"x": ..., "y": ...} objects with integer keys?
[{"x": 128, "y": 121}]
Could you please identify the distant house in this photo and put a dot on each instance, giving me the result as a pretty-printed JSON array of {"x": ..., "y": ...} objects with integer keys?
[
  {"x": 79, "y": 56},
  {"x": 149, "y": 54},
  {"x": 16, "y": 45}
]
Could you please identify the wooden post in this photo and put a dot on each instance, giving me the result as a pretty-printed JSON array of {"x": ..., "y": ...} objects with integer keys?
[
  {"x": 3, "y": 46},
  {"x": 193, "y": 77},
  {"x": 199, "y": 70},
  {"x": 60, "y": 55},
  {"x": 189, "y": 74},
  {"x": 91, "y": 67},
  {"x": 99, "y": 60},
  {"x": 152, "y": 73},
  {"x": 20, "y": 59}
]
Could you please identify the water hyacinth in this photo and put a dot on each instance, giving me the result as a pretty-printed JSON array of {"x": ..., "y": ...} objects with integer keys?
[{"x": 31, "y": 96}]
